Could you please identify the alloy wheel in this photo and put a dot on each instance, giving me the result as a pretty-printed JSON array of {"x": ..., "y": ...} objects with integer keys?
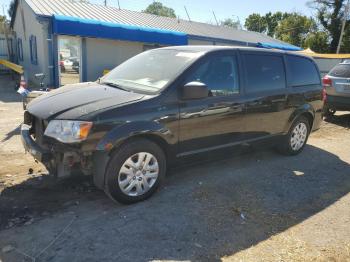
[{"x": 298, "y": 136}]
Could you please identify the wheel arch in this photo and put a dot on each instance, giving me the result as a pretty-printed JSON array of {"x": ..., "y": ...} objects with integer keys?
[
  {"x": 306, "y": 111},
  {"x": 118, "y": 136}
]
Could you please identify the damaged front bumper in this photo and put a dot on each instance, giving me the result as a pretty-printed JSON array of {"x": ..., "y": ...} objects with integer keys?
[
  {"x": 60, "y": 161},
  {"x": 33, "y": 148}
]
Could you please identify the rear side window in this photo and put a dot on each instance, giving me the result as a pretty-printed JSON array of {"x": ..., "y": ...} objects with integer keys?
[
  {"x": 264, "y": 72},
  {"x": 303, "y": 71},
  {"x": 341, "y": 70}
]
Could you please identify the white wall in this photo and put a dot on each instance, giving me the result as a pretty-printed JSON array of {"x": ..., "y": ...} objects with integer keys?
[
  {"x": 326, "y": 64},
  {"x": 106, "y": 54},
  {"x": 199, "y": 42},
  {"x": 32, "y": 27}
]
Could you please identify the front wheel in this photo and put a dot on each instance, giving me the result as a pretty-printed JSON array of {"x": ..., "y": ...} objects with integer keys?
[
  {"x": 135, "y": 171},
  {"x": 294, "y": 142}
]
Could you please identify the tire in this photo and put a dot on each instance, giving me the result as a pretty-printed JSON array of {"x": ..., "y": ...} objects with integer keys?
[
  {"x": 301, "y": 129},
  {"x": 129, "y": 179}
]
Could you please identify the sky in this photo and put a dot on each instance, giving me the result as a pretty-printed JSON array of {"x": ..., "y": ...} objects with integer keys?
[{"x": 202, "y": 10}]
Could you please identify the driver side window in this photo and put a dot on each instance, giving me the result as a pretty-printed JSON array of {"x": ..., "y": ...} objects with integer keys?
[{"x": 219, "y": 73}]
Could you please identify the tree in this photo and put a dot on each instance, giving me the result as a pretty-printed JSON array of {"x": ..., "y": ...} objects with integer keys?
[
  {"x": 11, "y": 8},
  {"x": 317, "y": 41},
  {"x": 265, "y": 24},
  {"x": 256, "y": 23},
  {"x": 2, "y": 24},
  {"x": 273, "y": 20},
  {"x": 157, "y": 8},
  {"x": 345, "y": 46},
  {"x": 229, "y": 22},
  {"x": 330, "y": 13},
  {"x": 295, "y": 28}
]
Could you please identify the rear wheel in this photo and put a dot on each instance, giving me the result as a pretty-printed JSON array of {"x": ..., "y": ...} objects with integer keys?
[
  {"x": 294, "y": 142},
  {"x": 135, "y": 171}
]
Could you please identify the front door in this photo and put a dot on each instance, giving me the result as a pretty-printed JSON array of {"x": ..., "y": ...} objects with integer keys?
[{"x": 215, "y": 121}]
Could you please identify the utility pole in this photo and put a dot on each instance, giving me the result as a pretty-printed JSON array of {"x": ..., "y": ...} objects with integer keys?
[
  {"x": 105, "y": 2},
  {"x": 217, "y": 23},
  {"x": 189, "y": 19},
  {"x": 118, "y": 4},
  {"x": 346, "y": 13}
]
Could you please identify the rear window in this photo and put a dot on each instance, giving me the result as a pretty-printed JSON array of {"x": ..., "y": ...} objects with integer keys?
[
  {"x": 264, "y": 72},
  {"x": 340, "y": 70},
  {"x": 303, "y": 71}
]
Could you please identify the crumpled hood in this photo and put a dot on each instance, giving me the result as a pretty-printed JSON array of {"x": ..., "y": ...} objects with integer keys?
[{"x": 77, "y": 100}]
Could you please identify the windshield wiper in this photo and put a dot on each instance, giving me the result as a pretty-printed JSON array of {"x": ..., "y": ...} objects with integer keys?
[{"x": 114, "y": 85}]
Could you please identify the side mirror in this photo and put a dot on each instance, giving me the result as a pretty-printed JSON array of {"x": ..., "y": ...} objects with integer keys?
[{"x": 194, "y": 90}]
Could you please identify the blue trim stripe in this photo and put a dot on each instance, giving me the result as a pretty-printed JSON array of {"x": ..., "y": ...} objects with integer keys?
[
  {"x": 67, "y": 25},
  {"x": 286, "y": 47}
]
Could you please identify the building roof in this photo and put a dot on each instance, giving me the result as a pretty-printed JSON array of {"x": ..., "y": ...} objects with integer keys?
[{"x": 127, "y": 17}]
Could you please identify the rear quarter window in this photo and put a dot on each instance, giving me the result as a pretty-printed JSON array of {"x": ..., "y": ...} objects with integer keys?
[
  {"x": 341, "y": 70},
  {"x": 302, "y": 71}
]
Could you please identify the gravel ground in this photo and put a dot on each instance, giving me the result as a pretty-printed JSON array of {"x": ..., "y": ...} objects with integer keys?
[{"x": 258, "y": 206}]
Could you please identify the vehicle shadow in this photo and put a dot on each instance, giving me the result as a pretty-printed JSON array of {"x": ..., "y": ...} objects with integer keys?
[
  {"x": 340, "y": 120},
  {"x": 12, "y": 133},
  {"x": 202, "y": 213}
]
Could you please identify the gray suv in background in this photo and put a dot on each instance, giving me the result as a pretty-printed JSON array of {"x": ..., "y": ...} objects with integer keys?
[{"x": 337, "y": 89}]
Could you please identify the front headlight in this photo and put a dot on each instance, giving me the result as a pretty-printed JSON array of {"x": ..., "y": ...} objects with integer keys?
[{"x": 68, "y": 131}]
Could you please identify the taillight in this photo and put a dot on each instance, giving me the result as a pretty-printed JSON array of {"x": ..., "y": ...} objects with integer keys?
[{"x": 326, "y": 81}]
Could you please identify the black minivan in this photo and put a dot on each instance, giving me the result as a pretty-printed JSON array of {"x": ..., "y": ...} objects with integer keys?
[{"x": 127, "y": 127}]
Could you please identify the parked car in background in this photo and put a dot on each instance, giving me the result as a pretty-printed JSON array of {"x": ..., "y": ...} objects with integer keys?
[
  {"x": 337, "y": 89},
  {"x": 69, "y": 64},
  {"x": 75, "y": 65},
  {"x": 164, "y": 104}
]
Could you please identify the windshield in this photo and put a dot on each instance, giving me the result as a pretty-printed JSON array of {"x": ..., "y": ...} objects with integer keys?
[{"x": 150, "y": 71}]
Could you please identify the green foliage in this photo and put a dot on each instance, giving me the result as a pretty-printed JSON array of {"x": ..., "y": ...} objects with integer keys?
[
  {"x": 321, "y": 33},
  {"x": 294, "y": 29},
  {"x": 272, "y": 21},
  {"x": 256, "y": 23},
  {"x": 11, "y": 8},
  {"x": 3, "y": 24},
  {"x": 157, "y": 8},
  {"x": 265, "y": 24},
  {"x": 330, "y": 13},
  {"x": 317, "y": 42},
  {"x": 345, "y": 46},
  {"x": 229, "y": 22}
]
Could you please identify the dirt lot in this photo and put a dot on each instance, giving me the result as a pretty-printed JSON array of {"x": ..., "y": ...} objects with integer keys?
[{"x": 259, "y": 206}]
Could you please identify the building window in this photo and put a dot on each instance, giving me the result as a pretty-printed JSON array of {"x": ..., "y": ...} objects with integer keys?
[
  {"x": 33, "y": 50},
  {"x": 19, "y": 49}
]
